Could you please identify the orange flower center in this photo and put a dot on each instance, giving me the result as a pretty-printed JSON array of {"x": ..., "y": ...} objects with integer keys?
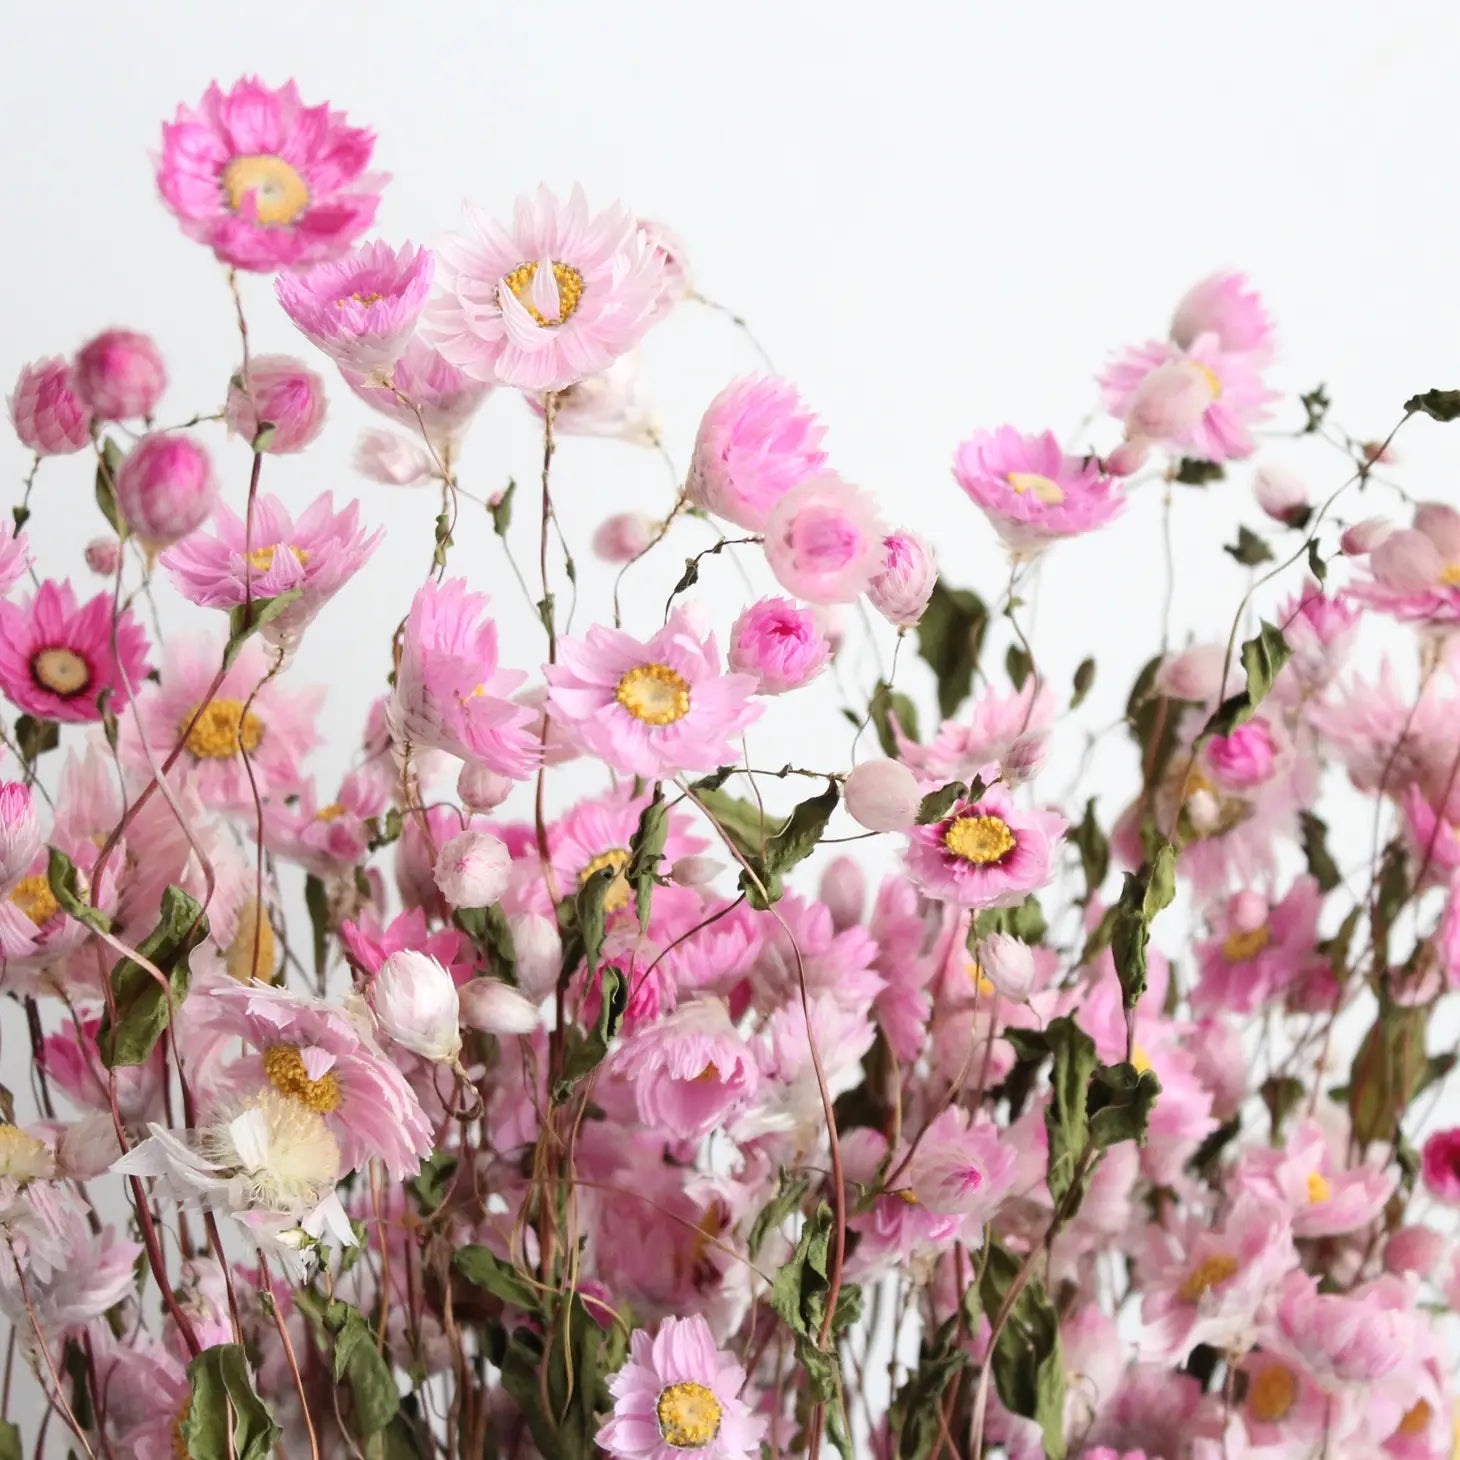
[
  {"x": 33, "y": 896},
  {"x": 284, "y": 1066},
  {"x": 570, "y": 290},
  {"x": 1238, "y": 947},
  {"x": 1044, "y": 489},
  {"x": 1272, "y": 1393},
  {"x": 1211, "y": 1272},
  {"x": 279, "y": 194}
]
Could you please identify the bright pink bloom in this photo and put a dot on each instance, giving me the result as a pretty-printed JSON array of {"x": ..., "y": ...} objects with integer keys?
[
  {"x": 650, "y": 709},
  {"x": 882, "y": 795},
  {"x": 20, "y": 834},
  {"x": 622, "y": 537},
  {"x": 392, "y": 460},
  {"x": 48, "y": 415},
  {"x": 446, "y": 398},
  {"x": 1325, "y": 1200},
  {"x": 902, "y": 586},
  {"x": 1001, "y": 731},
  {"x": 369, "y": 944},
  {"x": 103, "y": 554},
  {"x": 285, "y": 393},
  {"x": 611, "y": 403},
  {"x": 1441, "y": 1165},
  {"x": 823, "y": 540},
  {"x": 37, "y": 937},
  {"x": 450, "y": 692},
  {"x": 361, "y": 310},
  {"x": 166, "y": 488},
  {"x": 120, "y": 375},
  {"x": 557, "y": 296},
  {"x": 1416, "y": 571},
  {"x": 15, "y": 557},
  {"x": 265, "y": 181},
  {"x": 1257, "y": 951},
  {"x": 56, "y": 659},
  {"x": 325, "y": 839},
  {"x": 1031, "y": 491},
  {"x": 986, "y": 853},
  {"x": 1225, "y": 305},
  {"x": 755, "y": 443},
  {"x": 780, "y": 644},
  {"x": 1245, "y": 758}
]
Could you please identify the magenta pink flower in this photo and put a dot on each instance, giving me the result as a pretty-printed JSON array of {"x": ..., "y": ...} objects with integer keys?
[
  {"x": 265, "y": 181},
  {"x": 679, "y": 1393},
  {"x": 56, "y": 659},
  {"x": 1416, "y": 571},
  {"x": 446, "y": 398},
  {"x": 48, "y": 415},
  {"x": 780, "y": 644},
  {"x": 361, "y": 310},
  {"x": 1325, "y": 1199},
  {"x": 650, "y": 709},
  {"x": 755, "y": 443},
  {"x": 1257, "y": 950},
  {"x": 120, "y": 375},
  {"x": 557, "y": 296},
  {"x": 823, "y": 540},
  {"x": 166, "y": 488},
  {"x": 986, "y": 853},
  {"x": 449, "y": 691},
  {"x": 1226, "y": 306},
  {"x": 1031, "y": 491},
  {"x": 902, "y": 586},
  {"x": 1441, "y": 1165},
  {"x": 1245, "y": 758},
  {"x": 285, "y": 393},
  {"x": 14, "y": 557}
]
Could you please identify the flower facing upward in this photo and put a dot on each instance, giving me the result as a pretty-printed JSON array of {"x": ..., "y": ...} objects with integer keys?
[
  {"x": 48, "y": 415},
  {"x": 555, "y": 297},
  {"x": 779, "y": 643},
  {"x": 651, "y": 709},
  {"x": 265, "y": 181},
  {"x": 986, "y": 853},
  {"x": 823, "y": 540}
]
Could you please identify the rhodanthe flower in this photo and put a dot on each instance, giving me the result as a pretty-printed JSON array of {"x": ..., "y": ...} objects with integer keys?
[
  {"x": 14, "y": 557},
  {"x": 423, "y": 380},
  {"x": 166, "y": 488},
  {"x": 904, "y": 583},
  {"x": 823, "y": 540},
  {"x": 120, "y": 375},
  {"x": 1416, "y": 571},
  {"x": 282, "y": 392},
  {"x": 985, "y": 853},
  {"x": 1224, "y": 305},
  {"x": 49, "y": 416},
  {"x": 780, "y": 644}
]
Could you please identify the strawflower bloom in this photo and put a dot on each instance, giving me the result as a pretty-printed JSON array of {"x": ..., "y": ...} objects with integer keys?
[
  {"x": 986, "y": 853},
  {"x": 424, "y": 380},
  {"x": 1226, "y": 306},
  {"x": 622, "y": 537},
  {"x": 283, "y": 393},
  {"x": 166, "y": 488},
  {"x": 823, "y": 540},
  {"x": 15, "y": 557},
  {"x": 473, "y": 869},
  {"x": 20, "y": 834},
  {"x": 1257, "y": 950},
  {"x": 48, "y": 415},
  {"x": 779, "y": 643},
  {"x": 1416, "y": 570},
  {"x": 611, "y": 403},
  {"x": 1325, "y": 1199},
  {"x": 392, "y": 460},
  {"x": 265, "y": 181},
  {"x": 902, "y": 586},
  {"x": 414, "y": 1001},
  {"x": 120, "y": 375}
]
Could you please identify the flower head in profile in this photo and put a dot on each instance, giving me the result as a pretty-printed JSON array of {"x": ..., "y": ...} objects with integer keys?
[
  {"x": 1224, "y": 305},
  {"x": 280, "y": 408},
  {"x": 558, "y": 295},
  {"x": 15, "y": 557},
  {"x": 612, "y": 403},
  {"x": 985, "y": 853},
  {"x": 1415, "y": 572},
  {"x": 1325, "y": 1198},
  {"x": 650, "y": 709},
  {"x": 428, "y": 382},
  {"x": 265, "y": 181}
]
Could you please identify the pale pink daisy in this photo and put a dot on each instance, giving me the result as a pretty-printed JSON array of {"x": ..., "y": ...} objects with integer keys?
[
  {"x": 49, "y": 416},
  {"x": 325, "y": 838},
  {"x": 1325, "y": 1198},
  {"x": 986, "y": 853},
  {"x": 1416, "y": 571},
  {"x": 1225, "y": 305},
  {"x": 423, "y": 380},
  {"x": 15, "y": 557},
  {"x": 1258, "y": 949},
  {"x": 823, "y": 540},
  {"x": 612, "y": 403},
  {"x": 20, "y": 833},
  {"x": 997, "y": 731},
  {"x": 37, "y": 937}
]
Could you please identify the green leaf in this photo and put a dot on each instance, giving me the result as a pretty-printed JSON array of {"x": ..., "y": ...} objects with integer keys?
[
  {"x": 1143, "y": 895},
  {"x": 1316, "y": 404},
  {"x": 687, "y": 579},
  {"x": 741, "y": 821},
  {"x": 1018, "y": 665},
  {"x": 373, "y": 1395},
  {"x": 1388, "y": 1071},
  {"x": 1119, "y": 1104},
  {"x": 721, "y": 774},
  {"x": 1263, "y": 658},
  {"x": 431, "y": 1184},
  {"x": 799, "y": 1294},
  {"x": 1281, "y": 1094},
  {"x": 106, "y": 494},
  {"x": 263, "y": 437},
  {"x": 1065, "y": 1117},
  {"x": 443, "y": 539},
  {"x": 481, "y": 1267},
  {"x": 35, "y": 737},
  {"x": 886, "y": 705},
  {"x": 1025, "y": 922},
  {"x": 561, "y": 1415},
  {"x": 1191, "y": 471},
  {"x": 791, "y": 842},
  {"x": 588, "y": 905},
  {"x": 1249, "y": 549},
  {"x": 1084, "y": 681},
  {"x": 1315, "y": 849},
  {"x": 916, "y": 1408},
  {"x": 591, "y": 1051},
  {"x": 646, "y": 851},
  {"x": 1094, "y": 848},
  {"x": 950, "y": 640},
  {"x": 10, "y": 1447},
  {"x": 1439, "y": 405},
  {"x": 316, "y": 900},
  {"x": 787, "y": 1199},
  {"x": 491, "y": 936},
  {"x": 226, "y": 1420},
  {"x": 1316, "y": 565},
  {"x": 1028, "y": 1365},
  {"x": 63, "y": 876},
  {"x": 246, "y": 619},
  {"x": 937, "y": 804},
  {"x": 501, "y": 509}
]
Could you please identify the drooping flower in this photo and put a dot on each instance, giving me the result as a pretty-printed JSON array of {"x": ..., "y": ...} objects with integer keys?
[
  {"x": 265, "y": 181},
  {"x": 166, "y": 488},
  {"x": 779, "y": 643},
  {"x": 414, "y": 1001},
  {"x": 48, "y": 415},
  {"x": 882, "y": 795},
  {"x": 823, "y": 540},
  {"x": 985, "y": 853},
  {"x": 1031, "y": 491},
  {"x": 1225, "y": 305},
  {"x": 654, "y": 708},
  {"x": 902, "y": 586},
  {"x": 557, "y": 296},
  {"x": 57, "y": 658},
  {"x": 611, "y": 403},
  {"x": 1416, "y": 570},
  {"x": 423, "y": 380},
  {"x": 120, "y": 375},
  {"x": 282, "y": 392}
]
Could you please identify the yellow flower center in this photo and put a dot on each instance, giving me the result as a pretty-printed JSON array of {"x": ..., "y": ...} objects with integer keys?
[
  {"x": 619, "y": 892},
  {"x": 1211, "y": 1272},
  {"x": 981, "y": 981},
  {"x": 262, "y": 558},
  {"x": 1416, "y": 1420},
  {"x": 223, "y": 729},
  {"x": 654, "y": 693},
  {"x": 23, "y": 1158},
  {"x": 62, "y": 671},
  {"x": 1139, "y": 1059},
  {"x": 253, "y": 952},
  {"x": 979, "y": 839},
  {"x": 1044, "y": 488},
  {"x": 570, "y": 290},
  {"x": 284, "y": 1066},
  {"x": 1214, "y": 384},
  {"x": 280, "y": 195},
  {"x": 1318, "y": 1188},
  {"x": 1450, "y": 575},
  {"x": 366, "y": 299},
  {"x": 1272, "y": 1393},
  {"x": 33, "y": 896},
  {"x": 688, "y": 1415},
  {"x": 1238, "y": 947},
  {"x": 332, "y": 812}
]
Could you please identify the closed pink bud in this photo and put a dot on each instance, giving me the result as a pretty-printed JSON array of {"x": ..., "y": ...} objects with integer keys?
[
  {"x": 844, "y": 891},
  {"x": 283, "y": 393},
  {"x": 1282, "y": 494},
  {"x": 386, "y": 457},
  {"x": 480, "y": 788},
  {"x": 1407, "y": 561},
  {"x": 1194, "y": 674},
  {"x": 120, "y": 375},
  {"x": 473, "y": 869},
  {"x": 695, "y": 871},
  {"x": 1245, "y": 758},
  {"x": 497, "y": 1008},
  {"x": 48, "y": 415},
  {"x": 20, "y": 834},
  {"x": 1440, "y": 1163},
  {"x": 1022, "y": 760},
  {"x": 415, "y": 1002},
  {"x": 1170, "y": 401},
  {"x": 1129, "y": 457},
  {"x": 883, "y": 795},
  {"x": 622, "y": 537},
  {"x": 779, "y": 644},
  {"x": 539, "y": 952},
  {"x": 1415, "y": 1249},
  {"x": 166, "y": 488},
  {"x": 1363, "y": 537},
  {"x": 102, "y": 556},
  {"x": 902, "y": 586},
  {"x": 1008, "y": 964}
]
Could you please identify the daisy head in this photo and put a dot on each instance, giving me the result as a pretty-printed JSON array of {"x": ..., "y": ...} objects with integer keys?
[{"x": 986, "y": 853}]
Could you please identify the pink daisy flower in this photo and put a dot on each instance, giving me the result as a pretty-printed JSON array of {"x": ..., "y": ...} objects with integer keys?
[
  {"x": 361, "y": 310},
  {"x": 986, "y": 853},
  {"x": 447, "y": 399},
  {"x": 449, "y": 691},
  {"x": 369, "y": 943},
  {"x": 1416, "y": 571},
  {"x": 650, "y": 709},
  {"x": 1325, "y": 1199},
  {"x": 318, "y": 555},
  {"x": 265, "y": 181},
  {"x": 999, "y": 730},
  {"x": 326, "y": 839},
  {"x": 14, "y": 557},
  {"x": 56, "y": 659},
  {"x": 1031, "y": 491},
  {"x": 679, "y": 1393},
  {"x": 1225, "y": 305},
  {"x": 1257, "y": 950},
  {"x": 557, "y": 296}
]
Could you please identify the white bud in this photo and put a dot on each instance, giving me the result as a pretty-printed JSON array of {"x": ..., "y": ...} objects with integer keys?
[
  {"x": 844, "y": 891},
  {"x": 481, "y": 789},
  {"x": 695, "y": 871},
  {"x": 539, "y": 953},
  {"x": 498, "y": 1008},
  {"x": 473, "y": 869},
  {"x": 415, "y": 1003},
  {"x": 1008, "y": 964},
  {"x": 883, "y": 795}
]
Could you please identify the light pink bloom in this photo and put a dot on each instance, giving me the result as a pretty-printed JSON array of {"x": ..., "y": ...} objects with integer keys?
[
  {"x": 48, "y": 415},
  {"x": 282, "y": 392},
  {"x": 1001, "y": 732},
  {"x": 668, "y": 247},
  {"x": 473, "y": 869},
  {"x": 622, "y": 537},
  {"x": 369, "y": 944},
  {"x": 15, "y": 557},
  {"x": 539, "y": 950},
  {"x": 450, "y": 692},
  {"x": 166, "y": 488},
  {"x": 385, "y": 457},
  {"x": 1434, "y": 837},
  {"x": 446, "y": 398},
  {"x": 1224, "y": 304},
  {"x": 755, "y": 443},
  {"x": 1031, "y": 491},
  {"x": 843, "y": 891},
  {"x": 414, "y": 1002},
  {"x": 265, "y": 181},
  {"x": 986, "y": 853},
  {"x": 823, "y": 540},
  {"x": 1416, "y": 570},
  {"x": 556, "y": 297},
  {"x": 71, "y": 1060},
  {"x": 1169, "y": 402},
  {"x": 1359, "y": 540},
  {"x": 330, "y": 838},
  {"x": 611, "y": 403},
  {"x": 902, "y": 586},
  {"x": 1282, "y": 494},
  {"x": 1245, "y": 758},
  {"x": 676, "y": 1394},
  {"x": 1129, "y": 457},
  {"x": 1347, "y": 1338},
  {"x": 1325, "y": 1200},
  {"x": 1415, "y": 1249},
  {"x": 1441, "y": 1165},
  {"x": 103, "y": 554},
  {"x": 960, "y": 1168},
  {"x": 361, "y": 310},
  {"x": 779, "y": 643},
  {"x": 892, "y": 1230},
  {"x": 650, "y": 709},
  {"x": 120, "y": 375},
  {"x": 882, "y": 795},
  {"x": 481, "y": 789},
  {"x": 1257, "y": 951},
  {"x": 20, "y": 834},
  {"x": 1320, "y": 631},
  {"x": 57, "y": 659}
]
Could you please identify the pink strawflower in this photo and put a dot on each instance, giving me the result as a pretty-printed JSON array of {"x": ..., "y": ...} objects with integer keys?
[
  {"x": 679, "y": 1393},
  {"x": 392, "y": 460},
  {"x": 823, "y": 540},
  {"x": 361, "y": 310},
  {"x": 650, "y": 709},
  {"x": 103, "y": 555},
  {"x": 780, "y": 644},
  {"x": 325, "y": 838},
  {"x": 961, "y": 1168},
  {"x": 317, "y": 555},
  {"x": 166, "y": 488},
  {"x": 668, "y": 247},
  {"x": 556, "y": 297},
  {"x": 15, "y": 557},
  {"x": 1226, "y": 306},
  {"x": 120, "y": 375},
  {"x": 1441, "y": 1165},
  {"x": 1434, "y": 837},
  {"x": 902, "y": 586},
  {"x": 473, "y": 869},
  {"x": 1416, "y": 570},
  {"x": 1008, "y": 964},
  {"x": 481, "y": 789},
  {"x": 20, "y": 834},
  {"x": 37, "y": 937},
  {"x": 986, "y": 853},
  {"x": 48, "y": 415},
  {"x": 622, "y": 537},
  {"x": 1257, "y": 951},
  {"x": 57, "y": 659},
  {"x": 369, "y": 944},
  {"x": 1031, "y": 491},
  {"x": 446, "y": 399},
  {"x": 1325, "y": 1199},
  {"x": 755, "y": 443},
  {"x": 449, "y": 691},
  {"x": 282, "y": 392},
  {"x": 611, "y": 403},
  {"x": 265, "y": 181},
  {"x": 1347, "y": 1338},
  {"x": 882, "y": 795},
  {"x": 1360, "y": 539},
  {"x": 1245, "y": 758},
  {"x": 1000, "y": 731},
  {"x": 1320, "y": 631}
]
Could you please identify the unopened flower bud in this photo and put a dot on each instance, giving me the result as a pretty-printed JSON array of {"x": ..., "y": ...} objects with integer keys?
[
  {"x": 497, "y": 1008},
  {"x": 166, "y": 488},
  {"x": 472, "y": 869},
  {"x": 1129, "y": 457},
  {"x": 695, "y": 871},
  {"x": 539, "y": 952},
  {"x": 1363, "y": 537},
  {"x": 415, "y": 1003},
  {"x": 1282, "y": 494},
  {"x": 883, "y": 795},
  {"x": 482, "y": 789},
  {"x": 102, "y": 556},
  {"x": 622, "y": 537},
  {"x": 844, "y": 891},
  {"x": 902, "y": 586},
  {"x": 1008, "y": 964},
  {"x": 280, "y": 408},
  {"x": 120, "y": 375}
]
